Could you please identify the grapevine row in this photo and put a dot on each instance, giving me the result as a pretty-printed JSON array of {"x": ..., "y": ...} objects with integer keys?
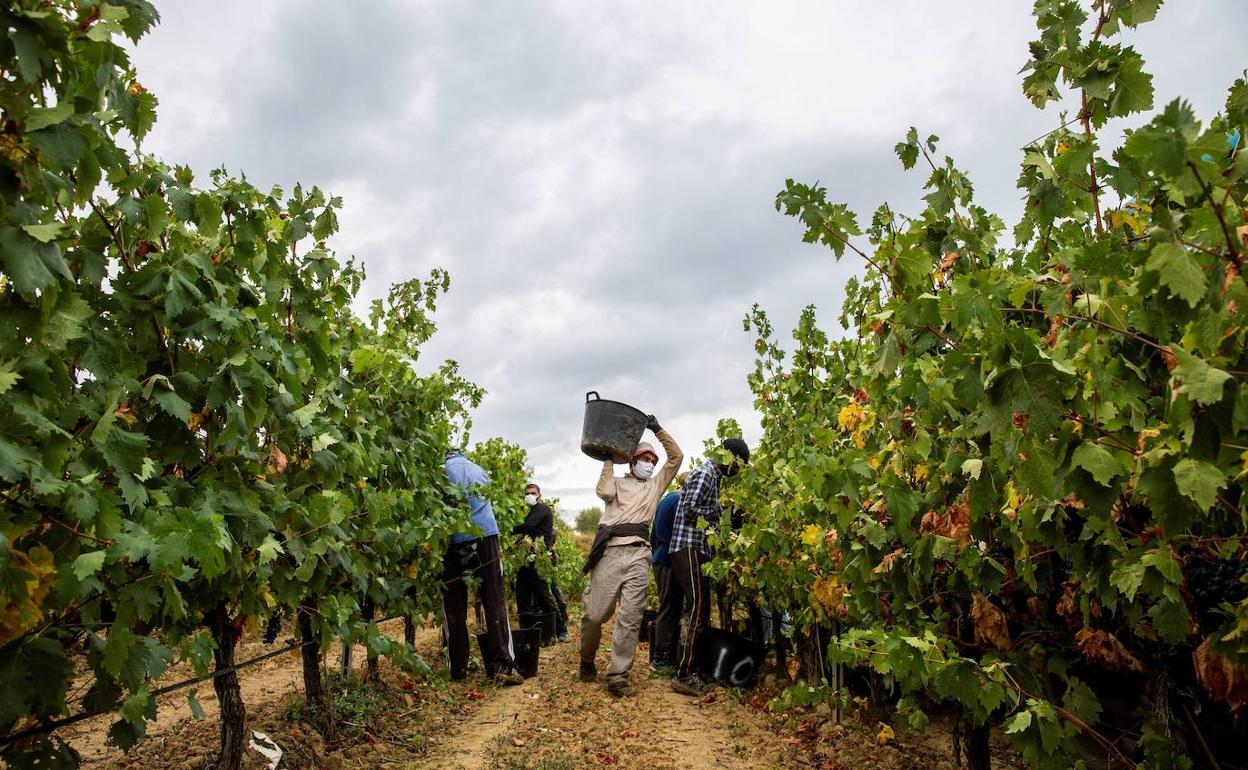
[
  {"x": 196, "y": 431},
  {"x": 1017, "y": 483}
]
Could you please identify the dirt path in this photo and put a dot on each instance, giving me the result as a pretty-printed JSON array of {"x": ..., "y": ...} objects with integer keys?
[{"x": 553, "y": 722}]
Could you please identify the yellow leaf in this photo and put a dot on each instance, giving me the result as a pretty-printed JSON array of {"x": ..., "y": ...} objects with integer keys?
[
  {"x": 811, "y": 535},
  {"x": 920, "y": 473},
  {"x": 886, "y": 735},
  {"x": 17, "y": 616},
  {"x": 850, "y": 416},
  {"x": 827, "y": 592}
]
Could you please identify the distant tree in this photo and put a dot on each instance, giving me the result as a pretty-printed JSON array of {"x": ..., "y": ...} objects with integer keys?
[{"x": 587, "y": 520}]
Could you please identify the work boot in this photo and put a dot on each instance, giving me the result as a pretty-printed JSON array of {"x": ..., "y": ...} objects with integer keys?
[
  {"x": 621, "y": 689},
  {"x": 692, "y": 685},
  {"x": 589, "y": 672},
  {"x": 508, "y": 678}
]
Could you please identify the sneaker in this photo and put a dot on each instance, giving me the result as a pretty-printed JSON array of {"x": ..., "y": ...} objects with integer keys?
[
  {"x": 508, "y": 678},
  {"x": 661, "y": 665},
  {"x": 589, "y": 672},
  {"x": 621, "y": 689},
  {"x": 563, "y": 636},
  {"x": 691, "y": 685}
]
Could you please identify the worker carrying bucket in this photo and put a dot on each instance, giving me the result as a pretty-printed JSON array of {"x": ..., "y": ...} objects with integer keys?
[{"x": 619, "y": 561}]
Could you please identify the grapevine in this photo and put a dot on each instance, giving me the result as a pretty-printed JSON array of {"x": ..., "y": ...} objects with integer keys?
[
  {"x": 198, "y": 435},
  {"x": 1017, "y": 484}
]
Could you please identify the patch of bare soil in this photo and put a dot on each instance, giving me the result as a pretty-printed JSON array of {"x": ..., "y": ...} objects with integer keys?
[
  {"x": 271, "y": 691},
  {"x": 551, "y": 722}
]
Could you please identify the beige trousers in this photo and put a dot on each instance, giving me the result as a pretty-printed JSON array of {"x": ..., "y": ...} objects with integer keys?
[{"x": 622, "y": 575}]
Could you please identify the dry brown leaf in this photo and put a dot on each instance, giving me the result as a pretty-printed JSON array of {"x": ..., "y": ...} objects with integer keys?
[
  {"x": 277, "y": 461},
  {"x": 1220, "y": 678},
  {"x": 954, "y": 523},
  {"x": 989, "y": 623},
  {"x": 886, "y": 565},
  {"x": 1054, "y": 328},
  {"x": 126, "y": 414},
  {"x": 196, "y": 420},
  {"x": 1067, "y": 607},
  {"x": 1103, "y": 648},
  {"x": 517, "y": 742},
  {"x": 1036, "y": 606}
]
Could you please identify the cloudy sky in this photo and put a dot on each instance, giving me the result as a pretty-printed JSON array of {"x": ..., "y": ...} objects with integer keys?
[{"x": 599, "y": 176}]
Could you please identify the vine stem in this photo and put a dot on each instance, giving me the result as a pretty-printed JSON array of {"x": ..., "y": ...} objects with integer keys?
[
  {"x": 78, "y": 533},
  {"x": 1095, "y": 189},
  {"x": 1094, "y": 321},
  {"x": 1085, "y": 116},
  {"x": 1105, "y": 743},
  {"x": 863, "y": 254},
  {"x": 942, "y": 336},
  {"x": 1233, "y": 252},
  {"x": 1047, "y": 134},
  {"x": 125, "y": 258},
  {"x": 1104, "y": 433}
]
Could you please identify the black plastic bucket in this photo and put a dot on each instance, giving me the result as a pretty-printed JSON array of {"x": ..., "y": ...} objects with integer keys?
[
  {"x": 611, "y": 429},
  {"x": 729, "y": 658},
  {"x": 646, "y": 633},
  {"x": 525, "y": 646}
]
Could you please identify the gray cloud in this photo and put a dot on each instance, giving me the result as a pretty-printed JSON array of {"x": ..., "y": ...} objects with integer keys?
[{"x": 599, "y": 177}]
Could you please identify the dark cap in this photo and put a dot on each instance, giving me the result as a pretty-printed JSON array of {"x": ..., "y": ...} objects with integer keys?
[{"x": 738, "y": 448}]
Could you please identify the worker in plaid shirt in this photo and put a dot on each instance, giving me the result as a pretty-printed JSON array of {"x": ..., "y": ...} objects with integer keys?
[{"x": 699, "y": 500}]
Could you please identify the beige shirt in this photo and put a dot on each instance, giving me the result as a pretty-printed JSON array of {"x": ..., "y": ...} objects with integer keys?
[{"x": 629, "y": 500}]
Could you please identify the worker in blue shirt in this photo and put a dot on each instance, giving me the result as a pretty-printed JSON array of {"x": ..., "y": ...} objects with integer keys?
[
  {"x": 671, "y": 599},
  {"x": 477, "y": 553}
]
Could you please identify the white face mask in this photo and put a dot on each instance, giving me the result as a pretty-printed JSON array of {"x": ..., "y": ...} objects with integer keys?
[
  {"x": 643, "y": 469},
  {"x": 531, "y": 499}
]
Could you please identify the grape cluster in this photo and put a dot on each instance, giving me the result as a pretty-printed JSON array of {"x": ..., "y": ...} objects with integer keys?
[
  {"x": 274, "y": 627},
  {"x": 1213, "y": 582}
]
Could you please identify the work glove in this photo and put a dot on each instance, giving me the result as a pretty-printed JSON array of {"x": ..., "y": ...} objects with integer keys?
[{"x": 653, "y": 424}]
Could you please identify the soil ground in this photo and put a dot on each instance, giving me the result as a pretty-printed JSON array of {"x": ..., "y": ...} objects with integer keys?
[{"x": 551, "y": 722}]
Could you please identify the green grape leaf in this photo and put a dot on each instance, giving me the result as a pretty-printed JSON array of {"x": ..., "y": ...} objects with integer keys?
[
  {"x": 192, "y": 702},
  {"x": 88, "y": 564},
  {"x": 8, "y": 377},
  {"x": 44, "y": 233},
  {"x": 1179, "y": 272},
  {"x": 1019, "y": 722},
  {"x": 173, "y": 404},
  {"x": 42, "y": 117},
  {"x": 1098, "y": 461},
  {"x": 1196, "y": 379},
  {"x": 1199, "y": 481}
]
